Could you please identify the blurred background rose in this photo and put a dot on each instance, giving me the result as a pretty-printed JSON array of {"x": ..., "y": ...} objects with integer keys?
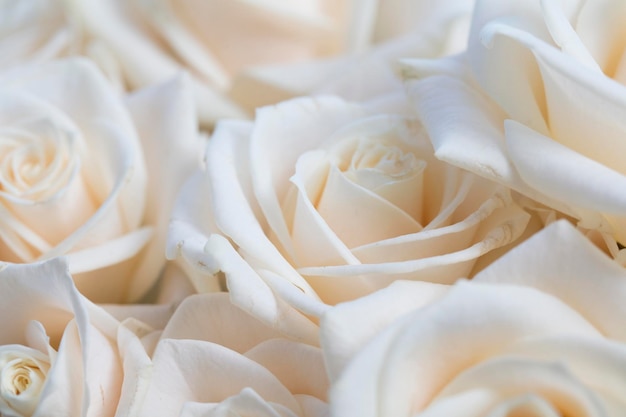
[{"x": 226, "y": 46}]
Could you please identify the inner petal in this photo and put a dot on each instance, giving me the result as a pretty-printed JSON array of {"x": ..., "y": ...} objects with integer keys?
[{"x": 359, "y": 216}]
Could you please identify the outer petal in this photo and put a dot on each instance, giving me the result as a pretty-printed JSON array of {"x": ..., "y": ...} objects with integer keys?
[
  {"x": 213, "y": 318},
  {"x": 559, "y": 261},
  {"x": 343, "y": 332},
  {"x": 189, "y": 370},
  {"x": 173, "y": 142},
  {"x": 397, "y": 373}
]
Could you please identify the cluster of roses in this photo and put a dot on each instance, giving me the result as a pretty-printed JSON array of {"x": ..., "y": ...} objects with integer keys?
[{"x": 307, "y": 209}]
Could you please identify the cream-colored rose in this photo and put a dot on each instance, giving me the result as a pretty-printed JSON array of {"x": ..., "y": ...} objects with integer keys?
[
  {"x": 537, "y": 333},
  {"x": 213, "y": 359},
  {"x": 141, "y": 42},
  {"x": 81, "y": 174},
  {"x": 401, "y": 28},
  {"x": 325, "y": 202},
  {"x": 536, "y": 103},
  {"x": 58, "y": 352}
]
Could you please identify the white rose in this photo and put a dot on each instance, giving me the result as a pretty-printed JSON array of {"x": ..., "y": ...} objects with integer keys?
[
  {"x": 401, "y": 28},
  {"x": 142, "y": 42},
  {"x": 81, "y": 174},
  {"x": 213, "y": 359},
  {"x": 539, "y": 332},
  {"x": 325, "y": 202},
  {"x": 58, "y": 353},
  {"x": 536, "y": 103}
]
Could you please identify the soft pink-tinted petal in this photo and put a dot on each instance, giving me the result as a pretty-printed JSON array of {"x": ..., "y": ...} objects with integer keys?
[
  {"x": 402, "y": 368},
  {"x": 258, "y": 32},
  {"x": 191, "y": 370},
  {"x": 397, "y": 17},
  {"x": 244, "y": 404},
  {"x": 299, "y": 367},
  {"x": 213, "y": 318}
]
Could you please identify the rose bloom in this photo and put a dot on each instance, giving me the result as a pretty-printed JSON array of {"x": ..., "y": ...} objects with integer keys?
[
  {"x": 81, "y": 174},
  {"x": 536, "y": 103},
  {"x": 401, "y": 28},
  {"x": 531, "y": 335},
  {"x": 213, "y": 359},
  {"x": 142, "y": 42},
  {"x": 58, "y": 351},
  {"x": 326, "y": 201}
]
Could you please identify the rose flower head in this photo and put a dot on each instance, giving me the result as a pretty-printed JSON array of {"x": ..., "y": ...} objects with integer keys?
[
  {"x": 58, "y": 351},
  {"x": 539, "y": 332},
  {"x": 536, "y": 102},
  {"x": 81, "y": 173},
  {"x": 320, "y": 201}
]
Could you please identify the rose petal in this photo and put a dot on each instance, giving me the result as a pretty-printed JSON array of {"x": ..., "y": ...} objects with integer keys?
[
  {"x": 312, "y": 239},
  {"x": 559, "y": 261},
  {"x": 382, "y": 378},
  {"x": 249, "y": 292},
  {"x": 175, "y": 143},
  {"x": 137, "y": 372},
  {"x": 304, "y": 31},
  {"x": 510, "y": 377},
  {"x": 41, "y": 291},
  {"x": 233, "y": 213},
  {"x": 355, "y": 213},
  {"x": 311, "y": 121},
  {"x": 192, "y": 221},
  {"x": 247, "y": 402},
  {"x": 572, "y": 89},
  {"x": 506, "y": 70},
  {"x": 191, "y": 370},
  {"x": 343, "y": 332},
  {"x": 299, "y": 367},
  {"x": 213, "y": 318},
  {"x": 599, "y": 27},
  {"x": 111, "y": 252}
]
